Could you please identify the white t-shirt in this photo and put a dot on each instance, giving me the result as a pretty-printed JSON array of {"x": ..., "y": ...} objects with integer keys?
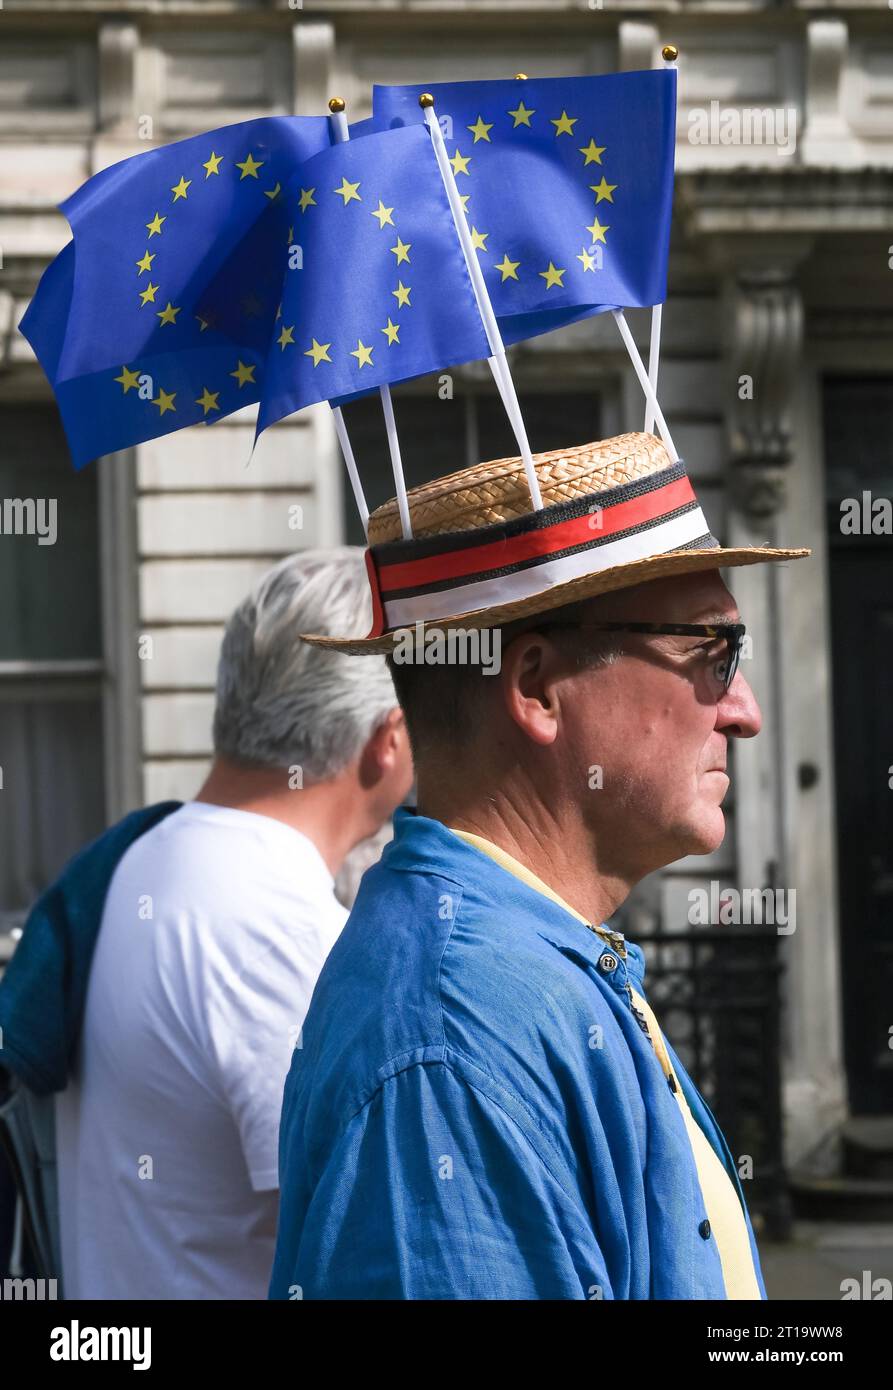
[{"x": 216, "y": 925}]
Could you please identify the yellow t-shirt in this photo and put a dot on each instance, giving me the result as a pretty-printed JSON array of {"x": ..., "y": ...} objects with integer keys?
[{"x": 720, "y": 1198}]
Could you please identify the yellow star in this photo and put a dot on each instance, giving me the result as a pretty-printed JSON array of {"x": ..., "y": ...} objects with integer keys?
[
  {"x": 603, "y": 190},
  {"x": 179, "y": 189},
  {"x": 391, "y": 332},
  {"x": 508, "y": 269},
  {"x": 208, "y": 399},
  {"x": 154, "y": 227},
  {"x": 479, "y": 239},
  {"x": 243, "y": 374},
  {"x": 363, "y": 354},
  {"x": 597, "y": 231},
  {"x": 348, "y": 191},
  {"x": 212, "y": 165},
  {"x": 307, "y": 199},
  {"x": 273, "y": 193},
  {"x": 203, "y": 322},
  {"x": 587, "y": 260},
  {"x": 401, "y": 250},
  {"x": 592, "y": 153},
  {"x": 168, "y": 314},
  {"x": 285, "y": 337},
  {"x": 552, "y": 277},
  {"x": 128, "y": 379},
  {"x": 148, "y": 294},
  {"x": 401, "y": 293},
  {"x": 460, "y": 163},
  {"x": 521, "y": 115},
  {"x": 480, "y": 130},
  {"x": 165, "y": 401},
  {"x": 463, "y": 199},
  {"x": 319, "y": 352},
  {"x": 278, "y": 314},
  {"x": 383, "y": 214},
  {"x": 145, "y": 263},
  {"x": 249, "y": 167},
  {"x": 565, "y": 124}
]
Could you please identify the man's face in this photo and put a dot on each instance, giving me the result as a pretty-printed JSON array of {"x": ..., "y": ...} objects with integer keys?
[{"x": 658, "y": 723}]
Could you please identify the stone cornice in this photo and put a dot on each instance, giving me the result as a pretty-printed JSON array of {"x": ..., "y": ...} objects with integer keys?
[
  {"x": 734, "y": 9},
  {"x": 795, "y": 200}
]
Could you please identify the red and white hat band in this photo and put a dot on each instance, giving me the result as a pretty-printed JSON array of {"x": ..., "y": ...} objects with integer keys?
[{"x": 441, "y": 577}]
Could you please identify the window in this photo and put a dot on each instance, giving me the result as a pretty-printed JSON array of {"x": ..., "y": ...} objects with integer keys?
[
  {"x": 51, "y": 666},
  {"x": 438, "y": 437}
]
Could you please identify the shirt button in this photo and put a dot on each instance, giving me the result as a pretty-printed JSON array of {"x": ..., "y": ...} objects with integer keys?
[
  {"x": 607, "y": 962},
  {"x": 704, "y": 1229}
]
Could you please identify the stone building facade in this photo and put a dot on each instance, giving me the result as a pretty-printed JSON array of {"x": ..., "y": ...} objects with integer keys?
[{"x": 776, "y": 380}]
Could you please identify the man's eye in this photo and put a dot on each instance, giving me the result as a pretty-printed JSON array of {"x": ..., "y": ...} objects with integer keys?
[{"x": 712, "y": 647}]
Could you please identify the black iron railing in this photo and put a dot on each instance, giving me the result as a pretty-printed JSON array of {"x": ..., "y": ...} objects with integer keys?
[{"x": 716, "y": 992}]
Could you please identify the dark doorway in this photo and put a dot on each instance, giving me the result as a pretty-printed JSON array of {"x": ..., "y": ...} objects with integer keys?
[{"x": 858, "y": 424}]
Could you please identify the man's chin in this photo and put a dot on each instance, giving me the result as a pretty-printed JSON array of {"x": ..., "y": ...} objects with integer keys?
[{"x": 709, "y": 832}]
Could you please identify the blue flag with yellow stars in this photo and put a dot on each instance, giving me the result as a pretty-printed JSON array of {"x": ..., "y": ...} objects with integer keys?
[
  {"x": 381, "y": 291},
  {"x": 255, "y": 263},
  {"x": 158, "y": 314},
  {"x": 567, "y": 184}
]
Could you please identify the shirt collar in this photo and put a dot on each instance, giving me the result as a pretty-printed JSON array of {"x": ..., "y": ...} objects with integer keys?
[{"x": 422, "y": 843}]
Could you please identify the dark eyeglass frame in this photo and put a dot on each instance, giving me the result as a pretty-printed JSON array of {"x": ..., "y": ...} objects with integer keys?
[{"x": 732, "y": 633}]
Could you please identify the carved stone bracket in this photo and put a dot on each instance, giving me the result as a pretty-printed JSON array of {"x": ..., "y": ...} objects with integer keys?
[
  {"x": 118, "y": 47},
  {"x": 763, "y": 329},
  {"x": 313, "y": 45}
]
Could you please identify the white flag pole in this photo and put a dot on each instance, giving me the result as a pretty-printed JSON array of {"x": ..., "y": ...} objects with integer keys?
[
  {"x": 669, "y": 53},
  {"x": 653, "y": 362},
  {"x": 352, "y": 473},
  {"x": 341, "y": 133},
  {"x": 645, "y": 384},
  {"x": 497, "y": 359}
]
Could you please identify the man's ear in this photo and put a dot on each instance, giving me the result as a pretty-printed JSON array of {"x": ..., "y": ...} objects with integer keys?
[
  {"x": 529, "y": 674},
  {"x": 383, "y": 748}
]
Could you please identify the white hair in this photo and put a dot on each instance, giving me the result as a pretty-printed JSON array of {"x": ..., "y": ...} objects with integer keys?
[{"x": 282, "y": 702}]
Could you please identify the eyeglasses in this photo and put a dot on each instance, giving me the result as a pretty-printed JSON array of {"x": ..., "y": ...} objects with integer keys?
[{"x": 731, "y": 633}]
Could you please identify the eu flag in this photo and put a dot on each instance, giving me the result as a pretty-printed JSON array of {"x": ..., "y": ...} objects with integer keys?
[
  {"x": 158, "y": 313},
  {"x": 567, "y": 185},
  {"x": 255, "y": 263},
  {"x": 380, "y": 291}
]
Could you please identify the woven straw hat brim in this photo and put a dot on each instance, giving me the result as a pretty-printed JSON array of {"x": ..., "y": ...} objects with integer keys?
[{"x": 585, "y": 586}]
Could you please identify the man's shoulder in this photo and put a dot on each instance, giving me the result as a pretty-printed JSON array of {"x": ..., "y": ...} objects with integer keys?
[
  {"x": 208, "y": 889},
  {"x": 431, "y": 967},
  {"x": 208, "y": 852}
]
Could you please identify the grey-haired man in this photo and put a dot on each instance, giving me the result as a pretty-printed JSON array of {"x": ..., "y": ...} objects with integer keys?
[{"x": 216, "y": 924}]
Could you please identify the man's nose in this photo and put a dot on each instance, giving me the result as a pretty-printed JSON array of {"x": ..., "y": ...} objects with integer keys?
[{"x": 737, "y": 713}]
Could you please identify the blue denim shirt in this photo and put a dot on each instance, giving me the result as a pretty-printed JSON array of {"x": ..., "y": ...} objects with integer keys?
[{"x": 473, "y": 1111}]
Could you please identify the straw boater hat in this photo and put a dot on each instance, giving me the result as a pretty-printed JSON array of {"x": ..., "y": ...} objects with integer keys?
[{"x": 615, "y": 513}]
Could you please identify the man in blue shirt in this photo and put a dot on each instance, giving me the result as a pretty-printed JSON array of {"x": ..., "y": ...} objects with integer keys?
[{"x": 483, "y": 1105}]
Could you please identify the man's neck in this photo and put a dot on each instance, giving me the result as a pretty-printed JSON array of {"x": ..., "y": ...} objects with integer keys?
[
  {"x": 325, "y": 812},
  {"x": 554, "y": 847}
]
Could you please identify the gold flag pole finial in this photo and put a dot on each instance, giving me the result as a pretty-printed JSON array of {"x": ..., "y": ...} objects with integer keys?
[
  {"x": 669, "y": 53},
  {"x": 426, "y": 100},
  {"x": 520, "y": 76},
  {"x": 336, "y": 105}
]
